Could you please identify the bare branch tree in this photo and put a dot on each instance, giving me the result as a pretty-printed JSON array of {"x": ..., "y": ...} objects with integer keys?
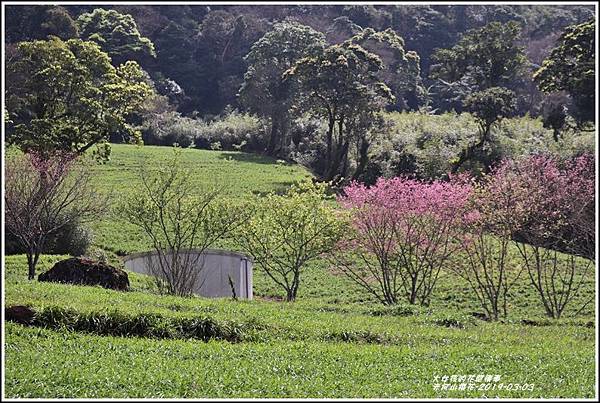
[
  {"x": 560, "y": 218},
  {"x": 44, "y": 194},
  {"x": 557, "y": 278},
  {"x": 182, "y": 220},
  {"x": 488, "y": 271}
]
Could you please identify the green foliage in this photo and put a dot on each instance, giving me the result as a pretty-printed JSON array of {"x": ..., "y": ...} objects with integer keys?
[
  {"x": 570, "y": 67},
  {"x": 224, "y": 39},
  {"x": 491, "y": 105},
  {"x": 483, "y": 58},
  {"x": 119, "y": 323},
  {"x": 489, "y": 54},
  {"x": 306, "y": 337},
  {"x": 116, "y": 34},
  {"x": 233, "y": 131},
  {"x": 67, "y": 96},
  {"x": 401, "y": 71},
  {"x": 28, "y": 23},
  {"x": 73, "y": 239},
  {"x": 170, "y": 128},
  {"x": 427, "y": 145},
  {"x": 287, "y": 232},
  {"x": 264, "y": 91},
  {"x": 341, "y": 86},
  {"x": 202, "y": 49}
]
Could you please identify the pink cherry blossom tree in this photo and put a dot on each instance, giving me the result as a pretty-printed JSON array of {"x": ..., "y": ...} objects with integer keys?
[
  {"x": 486, "y": 239},
  {"x": 402, "y": 234},
  {"x": 556, "y": 239}
]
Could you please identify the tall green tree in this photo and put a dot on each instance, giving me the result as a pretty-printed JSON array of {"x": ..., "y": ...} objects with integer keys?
[
  {"x": 483, "y": 58},
  {"x": 401, "y": 71},
  {"x": 571, "y": 68},
  {"x": 117, "y": 34},
  {"x": 341, "y": 86},
  {"x": 264, "y": 91},
  {"x": 223, "y": 41},
  {"x": 66, "y": 95},
  {"x": 488, "y": 107}
]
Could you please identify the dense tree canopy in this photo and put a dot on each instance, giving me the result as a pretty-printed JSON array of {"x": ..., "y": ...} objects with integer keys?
[
  {"x": 340, "y": 85},
  {"x": 264, "y": 91},
  {"x": 66, "y": 95},
  {"x": 401, "y": 71},
  {"x": 117, "y": 34},
  {"x": 37, "y": 22},
  {"x": 571, "y": 68},
  {"x": 482, "y": 58},
  {"x": 219, "y": 71},
  {"x": 488, "y": 107}
]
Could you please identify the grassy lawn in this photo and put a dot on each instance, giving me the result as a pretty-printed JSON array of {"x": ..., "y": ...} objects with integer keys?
[{"x": 335, "y": 341}]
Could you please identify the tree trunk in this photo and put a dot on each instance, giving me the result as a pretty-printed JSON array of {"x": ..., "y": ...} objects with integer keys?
[
  {"x": 362, "y": 159},
  {"x": 274, "y": 138},
  {"x": 291, "y": 295},
  {"x": 31, "y": 267},
  {"x": 32, "y": 259},
  {"x": 340, "y": 155},
  {"x": 329, "y": 139},
  {"x": 413, "y": 290},
  {"x": 467, "y": 154}
]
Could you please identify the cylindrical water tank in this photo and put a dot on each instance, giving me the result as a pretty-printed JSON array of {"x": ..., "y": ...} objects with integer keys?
[{"x": 215, "y": 269}]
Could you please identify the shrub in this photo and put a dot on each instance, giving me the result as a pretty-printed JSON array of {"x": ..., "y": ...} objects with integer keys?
[
  {"x": 73, "y": 239},
  {"x": 44, "y": 194},
  {"x": 556, "y": 202},
  {"x": 151, "y": 325},
  {"x": 234, "y": 131},
  {"x": 286, "y": 232},
  {"x": 548, "y": 206},
  {"x": 169, "y": 128},
  {"x": 308, "y": 146},
  {"x": 426, "y": 145},
  {"x": 178, "y": 216}
]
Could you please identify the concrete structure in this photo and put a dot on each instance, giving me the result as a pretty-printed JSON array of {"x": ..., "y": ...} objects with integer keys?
[{"x": 216, "y": 266}]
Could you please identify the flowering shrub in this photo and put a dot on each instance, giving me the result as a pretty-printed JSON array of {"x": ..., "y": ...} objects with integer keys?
[
  {"x": 287, "y": 232},
  {"x": 44, "y": 194},
  {"x": 403, "y": 232},
  {"x": 559, "y": 200},
  {"x": 544, "y": 206},
  {"x": 555, "y": 200}
]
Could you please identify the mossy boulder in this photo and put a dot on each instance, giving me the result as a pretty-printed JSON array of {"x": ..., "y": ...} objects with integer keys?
[{"x": 83, "y": 271}]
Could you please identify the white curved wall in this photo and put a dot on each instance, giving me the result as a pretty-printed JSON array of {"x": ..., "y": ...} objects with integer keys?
[{"x": 215, "y": 266}]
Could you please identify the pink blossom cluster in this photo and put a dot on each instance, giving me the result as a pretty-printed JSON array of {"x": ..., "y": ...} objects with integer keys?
[
  {"x": 52, "y": 166},
  {"x": 542, "y": 197},
  {"x": 406, "y": 212}
]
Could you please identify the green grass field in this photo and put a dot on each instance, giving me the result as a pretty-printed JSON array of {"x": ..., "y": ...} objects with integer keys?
[{"x": 335, "y": 341}]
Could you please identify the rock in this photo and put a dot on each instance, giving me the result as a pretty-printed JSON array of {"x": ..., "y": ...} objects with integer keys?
[
  {"x": 84, "y": 271},
  {"x": 19, "y": 314}
]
